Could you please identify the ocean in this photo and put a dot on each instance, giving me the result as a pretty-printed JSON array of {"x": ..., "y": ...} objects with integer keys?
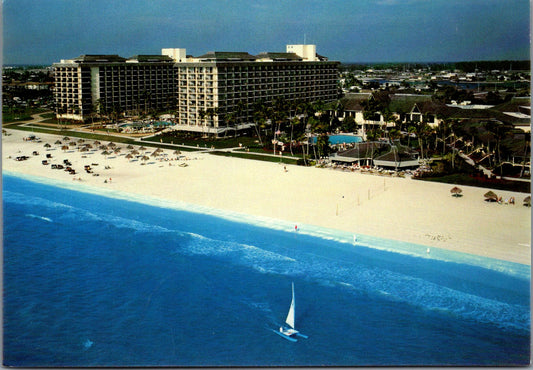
[{"x": 108, "y": 280}]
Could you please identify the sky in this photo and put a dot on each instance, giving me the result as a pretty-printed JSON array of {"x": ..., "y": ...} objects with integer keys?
[{"x": 45, "y": 31}]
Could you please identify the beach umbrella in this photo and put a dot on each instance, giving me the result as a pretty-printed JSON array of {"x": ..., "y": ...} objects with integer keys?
[
  {"x": 145, "y": 158},
  {"x": 491, "y": 196},
  {"x": 135, "y": 152},
  {"x": 456, "y": 192},
  {"x": 177, "y": 152},
  {"x": 105, "y": 153},
  {"x": 81, "y": 141},
  {"x": 58, "y": 142},
  {"x": 64, "y": 147},
  {"x": 66, "y": 138},
  {"x": 111, "y": 144},
  {"x": 96, "y": 142},
  {"x": 154, "y": 154},
  {"x": 84, "y": 149},
  {"x": 527, "y": 201},
  {"x": 47, "y": 145},
  {"x": 88, "y": 146},
  {"x": 129, "y": 146},
  {"x": 129, "y": 156},
  {"x": 117, "y": 150},
  {"x": 72, "y": 143},
  {"x": 142, "y": 148},
  {"x": 102, "y": 147}
]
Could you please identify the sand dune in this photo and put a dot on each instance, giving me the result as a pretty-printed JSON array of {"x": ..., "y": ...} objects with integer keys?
[{"x": 394, "y": 208}]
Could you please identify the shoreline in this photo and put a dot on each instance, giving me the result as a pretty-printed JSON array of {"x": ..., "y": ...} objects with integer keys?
[{"x": 412, "y": 211}]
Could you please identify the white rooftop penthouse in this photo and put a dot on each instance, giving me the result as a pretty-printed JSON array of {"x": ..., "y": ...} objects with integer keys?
[{"x": 306, "y": 51}]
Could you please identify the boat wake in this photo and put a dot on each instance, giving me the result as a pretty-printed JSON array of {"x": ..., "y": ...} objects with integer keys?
[{"x": 39, "y": 217}]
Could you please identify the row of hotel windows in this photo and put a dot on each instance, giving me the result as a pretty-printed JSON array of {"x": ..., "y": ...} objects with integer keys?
[
  {"x": 256, "y": 75},
  {"x": 262, "y": 67}
]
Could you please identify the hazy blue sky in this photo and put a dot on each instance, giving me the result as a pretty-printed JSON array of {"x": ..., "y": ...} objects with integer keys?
[{"x": 45, "y": 31}]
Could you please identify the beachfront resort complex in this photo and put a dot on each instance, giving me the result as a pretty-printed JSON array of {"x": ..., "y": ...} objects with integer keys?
[{"x": 203, "y": 90}]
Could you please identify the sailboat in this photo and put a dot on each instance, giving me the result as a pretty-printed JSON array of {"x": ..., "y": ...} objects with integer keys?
[{"x": 288, "y": 332}]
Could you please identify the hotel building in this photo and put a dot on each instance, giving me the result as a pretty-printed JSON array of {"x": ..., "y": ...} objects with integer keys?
[{"x": 221, "y": 82}]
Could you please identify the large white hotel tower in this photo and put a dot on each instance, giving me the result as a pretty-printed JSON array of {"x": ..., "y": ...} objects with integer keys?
[{"x": 192, "y": 87}]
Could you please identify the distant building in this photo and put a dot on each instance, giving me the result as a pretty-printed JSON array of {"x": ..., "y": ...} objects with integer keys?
[{"x": 203, "y": 91}]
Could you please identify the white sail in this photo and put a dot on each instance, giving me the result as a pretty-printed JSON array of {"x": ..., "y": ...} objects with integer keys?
[{"x": 290, "y": 316}]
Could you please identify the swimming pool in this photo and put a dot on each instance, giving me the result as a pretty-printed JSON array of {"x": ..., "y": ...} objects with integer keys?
[{"x": 340, "y": 139}]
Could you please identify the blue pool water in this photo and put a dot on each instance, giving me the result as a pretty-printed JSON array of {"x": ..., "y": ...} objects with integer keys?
[
  {"x": 340, "y": 139},
  {"x": 101, "y": 281}
]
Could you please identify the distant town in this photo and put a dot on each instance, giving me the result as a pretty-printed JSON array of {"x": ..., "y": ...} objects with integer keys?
[{"x": 464, "y": 122}]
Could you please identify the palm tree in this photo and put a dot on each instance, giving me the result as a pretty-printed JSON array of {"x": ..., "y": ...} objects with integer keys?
[
  {"x": 322, "y": 144},
  {"x": 294, "y": 121},
  {"x": 211, "y": 113},
  {"x": 387, "y": 117},
  {"x": 338, "y": 108},
  {"x": 279, "y": 115},
  {"x": 60, "y": 111},
  {"x": 421, "y": 133},
  {"x": 231, "y": 120},
  {"x": 527, "y": 143},
  {"x": 202, "y": 114},
  {"x": 259, "y": 117},
  {"x": 241, "y": 110},
  {"x": 411, "y": 130}
]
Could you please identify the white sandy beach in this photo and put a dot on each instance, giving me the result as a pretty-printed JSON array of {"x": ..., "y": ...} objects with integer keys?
[{"x": 402, "y": 209}]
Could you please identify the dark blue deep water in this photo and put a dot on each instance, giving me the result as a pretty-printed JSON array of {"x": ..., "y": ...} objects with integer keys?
[{"x": 99, "y": 281}]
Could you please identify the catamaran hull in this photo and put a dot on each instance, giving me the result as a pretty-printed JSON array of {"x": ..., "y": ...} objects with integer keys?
[{"x": 285, "y": 336}]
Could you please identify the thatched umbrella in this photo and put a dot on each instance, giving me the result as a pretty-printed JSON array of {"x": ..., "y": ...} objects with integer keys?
[
  {"x": 72, "y": 143},
  {"x": 88, "y": 146},
  {"x": 456, "y": 192},
  {"x": 66, "y": 138},
  {"x": 177, "y": 152},
  {"x": 64, "y": 147},
  {"x": 527, "y": 201},
  {"x": 58, "y": 142},
  {"x": 129, "y": 156},
  {"x": 84, "y": 149},
  {"x": 145, "y": 158},
  {"x": 81, "y": 141},
  {"x": 117, "y": 150},
  {"x": 105, "y": 153},
  {"x": 102, "y": 147},
  {"x": 135, "y": 152},
  {"x": 47, "y": 145},
  {"x": 142, "y": 148},
  {"x": 129, "y": 147},
  {"x": 111, "y": 144},
  {"x": 96, "y": 142},
  {"x": 490, "y": 196}
]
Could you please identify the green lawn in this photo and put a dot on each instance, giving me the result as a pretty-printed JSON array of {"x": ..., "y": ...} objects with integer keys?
[{"x": 15, "y": 117}]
